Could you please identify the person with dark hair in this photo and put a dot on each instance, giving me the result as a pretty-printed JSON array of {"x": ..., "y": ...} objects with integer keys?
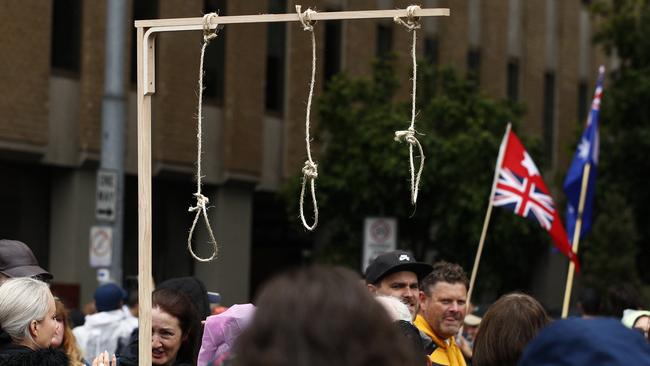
[
  {"x": 593, "y": 342},
  {"x": 506, "y": 328},
  {"x": 620, "y": 297},
  {"x": 397, "y": 274},
  {"x": 321, "y": 316},
  {"x": 109, "y": 327},
  {"x": 589, "y": 303},
  {"x": 443, "y": 305},
  {"x": 194, "y": 288},
  {"x": 27, "y": 315},
  {"x": 176, "y": 331}
]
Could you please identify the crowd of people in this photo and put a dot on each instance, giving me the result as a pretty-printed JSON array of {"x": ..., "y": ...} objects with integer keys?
[{"x": 402, "y": 312}]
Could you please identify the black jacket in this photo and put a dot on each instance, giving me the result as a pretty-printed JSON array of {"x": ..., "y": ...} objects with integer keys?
[{"x": 15, "y": 355}]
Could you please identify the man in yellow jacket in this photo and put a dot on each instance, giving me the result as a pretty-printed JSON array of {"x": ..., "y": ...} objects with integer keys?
[{"x": 443, "y": 305}]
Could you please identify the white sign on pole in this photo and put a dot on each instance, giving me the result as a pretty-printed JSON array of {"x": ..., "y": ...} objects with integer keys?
[
  {"x": 106, "y": 195},
  {"x": 101, "y": 246},
  {"x": 379, "y": 236}
]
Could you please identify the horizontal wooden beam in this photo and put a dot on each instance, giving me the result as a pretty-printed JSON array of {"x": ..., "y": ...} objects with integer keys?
[{"x": 182, "y": 24}]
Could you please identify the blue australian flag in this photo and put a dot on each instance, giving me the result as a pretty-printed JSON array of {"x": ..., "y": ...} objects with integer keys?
[{"x": 587, "y": 153}]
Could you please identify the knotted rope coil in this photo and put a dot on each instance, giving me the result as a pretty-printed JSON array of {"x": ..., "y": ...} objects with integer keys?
[
  {"x": 409, "y": 136},
  {"x": 310, "y": 169},
  {"x": 202, "y": 201}
]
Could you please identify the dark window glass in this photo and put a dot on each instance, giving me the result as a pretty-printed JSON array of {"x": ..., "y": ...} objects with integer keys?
[
  {"x": 66, "y": 35},
  {"x": 214, "y": 63},
  {"x": 276, "y": 44},
  {"x": 549, "y": 113},
  {"x": 474, "y": 64},
  {"x": 513, "y": 80},
  {"x": 431, "y": 49},
  {"x": 142, "y": 10},
  {"x": 384, "y": 40},
  {"x": 333, "y": 34},
  {"x": 583, "y": 102}
]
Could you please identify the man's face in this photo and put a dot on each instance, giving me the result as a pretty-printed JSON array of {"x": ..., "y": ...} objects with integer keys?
[
  {"x": 445, "y": 309},
  {"x": 402, "y": 285}
]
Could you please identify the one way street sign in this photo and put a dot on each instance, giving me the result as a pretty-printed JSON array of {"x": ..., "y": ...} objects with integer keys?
[{"x": 106, "y": 195}]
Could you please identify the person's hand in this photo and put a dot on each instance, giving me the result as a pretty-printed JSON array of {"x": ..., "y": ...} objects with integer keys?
[{"x": 104, "y": 360}]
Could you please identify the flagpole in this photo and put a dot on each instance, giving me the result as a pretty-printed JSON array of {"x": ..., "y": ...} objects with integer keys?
[
  {"x": 576, "y": 239},
  {"x": 488, "y": 214}
]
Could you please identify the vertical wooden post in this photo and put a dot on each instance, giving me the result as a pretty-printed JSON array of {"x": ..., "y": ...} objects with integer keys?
[
  {"x": 488, "y": 214},
  {"x": 576, "y": 240},
  {"x": 144, "y": 206}
]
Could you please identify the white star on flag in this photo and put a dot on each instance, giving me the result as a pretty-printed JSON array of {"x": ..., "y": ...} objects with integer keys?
[
  {"x": 529, "y": 164},
  {"x": 583, "y": 149}
]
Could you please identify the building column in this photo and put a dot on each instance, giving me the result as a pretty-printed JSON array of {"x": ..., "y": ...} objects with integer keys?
[
  {"x": 72, "y": 214},
  {"x": 232, "y": 218}
]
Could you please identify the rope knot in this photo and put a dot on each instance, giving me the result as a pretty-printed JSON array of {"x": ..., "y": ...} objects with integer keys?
[
  {"x": 208, "y": 34},
  {"x": 201, "y": 202},
  {"x": 412, "y": 22},
  {"x": 310, "y": 170},
  {"x": 406, "y": 135},
  {"x": 305, "y": 18}
]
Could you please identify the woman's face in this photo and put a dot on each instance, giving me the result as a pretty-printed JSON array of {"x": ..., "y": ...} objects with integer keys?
[
  {"x": 166, "y": 337},
  {"x": 46, "y": 327},
  {"x": 57, "y": 339}
]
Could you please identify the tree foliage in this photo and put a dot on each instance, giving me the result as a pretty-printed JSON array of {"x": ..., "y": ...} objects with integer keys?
[
  {"x": 364, "y": 172},
  {"x": 625, "y": 135}
]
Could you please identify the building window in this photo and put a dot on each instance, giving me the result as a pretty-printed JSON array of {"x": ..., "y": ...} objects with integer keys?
[
  {"x": 275, "y": 59},
  {"x": 333, "y": 36},
  {"x": 384, "y": 40},
  {"x": 66, "y": 35},
  {"x": 549, "y": 113},
  {"x": 474, "y": 64},
  {"x": 142, "y": 10},
  {"x": 214, "y": 63},
  {"x": 431, "y": 50},
  {"x": 513, "y": 80},
  {"x": 583, "y": 102}
]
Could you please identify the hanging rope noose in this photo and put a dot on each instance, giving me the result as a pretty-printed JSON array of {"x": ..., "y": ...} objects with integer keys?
[
  {"x": 310, "y": 169},
  {"x": 202, "y": 201},
  {"x": 412, "y": 23}
]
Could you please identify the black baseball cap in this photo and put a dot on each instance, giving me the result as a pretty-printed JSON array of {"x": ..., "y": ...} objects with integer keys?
[
  {"x": 395, "y": 261},
  {"x": 17, "y": 260}
]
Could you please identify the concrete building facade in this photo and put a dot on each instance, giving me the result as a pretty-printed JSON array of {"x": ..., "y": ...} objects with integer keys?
[{"x": 534, "y": 51}]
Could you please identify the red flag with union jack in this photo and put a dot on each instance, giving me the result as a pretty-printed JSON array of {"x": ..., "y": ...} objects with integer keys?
[{"x": 521, "y": 189}]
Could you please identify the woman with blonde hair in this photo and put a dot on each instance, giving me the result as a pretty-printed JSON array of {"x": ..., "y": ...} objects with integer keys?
[
  {"x": 64, "y": 338},
  {"x": 27, "y": 317}
]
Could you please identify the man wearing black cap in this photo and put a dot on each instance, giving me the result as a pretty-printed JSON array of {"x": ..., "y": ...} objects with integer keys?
[
  {"x": 17, "y": 260},
  {"x": 397, "y": 274}
]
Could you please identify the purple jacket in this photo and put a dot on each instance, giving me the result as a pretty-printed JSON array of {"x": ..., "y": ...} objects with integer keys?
[{"x": 221, "y": 331}]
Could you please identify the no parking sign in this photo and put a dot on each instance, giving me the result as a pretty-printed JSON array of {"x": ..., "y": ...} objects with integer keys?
[
  {"x": 379, "y": 236},
  {"x": 101, "y": 246}
]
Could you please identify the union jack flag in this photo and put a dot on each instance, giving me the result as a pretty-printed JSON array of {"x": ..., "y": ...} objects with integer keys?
[
  {"x": 521, "y": 189},
  {"x": 523, "y": 197}
]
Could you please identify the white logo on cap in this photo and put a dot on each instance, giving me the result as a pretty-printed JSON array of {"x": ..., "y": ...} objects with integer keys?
[{"x": 404, "y": 257}]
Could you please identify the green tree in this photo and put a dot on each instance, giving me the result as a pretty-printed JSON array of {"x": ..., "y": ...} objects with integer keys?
[
  {"x": 363, "y": 172},
  {"x": 625, "y": 135}
]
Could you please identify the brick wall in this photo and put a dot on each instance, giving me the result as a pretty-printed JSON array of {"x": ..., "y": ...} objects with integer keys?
[
  {"x": 177, "y": 74},
  {"x": 25, "y": 70},
  {"x": 533, "y": 64},
  {"x": 93, "y": 49},
  {"x": 494, "y": 43}
]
